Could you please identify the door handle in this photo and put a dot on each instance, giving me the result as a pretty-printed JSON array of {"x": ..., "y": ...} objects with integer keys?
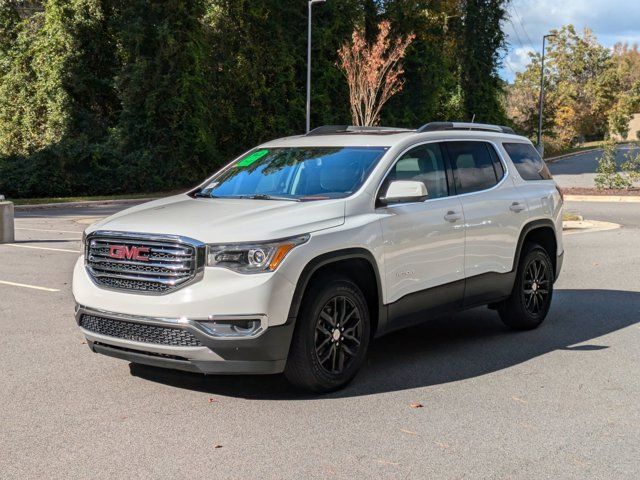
[
  {"x": 517, "y": 207},
  {"x": 452, "y": 216}
]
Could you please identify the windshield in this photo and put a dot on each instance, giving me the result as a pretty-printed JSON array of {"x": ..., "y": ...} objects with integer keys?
[{"x": 299, "y": 174}]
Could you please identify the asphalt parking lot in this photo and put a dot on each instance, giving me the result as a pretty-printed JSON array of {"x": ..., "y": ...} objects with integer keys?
[
  {"x": 579, "y": 170},
  {"x": 558, "y": 402}
]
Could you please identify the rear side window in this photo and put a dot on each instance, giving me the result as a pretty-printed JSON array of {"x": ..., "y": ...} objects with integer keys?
[
  {"x": 473, "y": 166},
  {"x": 496, "y": 162},
  {"x": 528, "y": 162}
]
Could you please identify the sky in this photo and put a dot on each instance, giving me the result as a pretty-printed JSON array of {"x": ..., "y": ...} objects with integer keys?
[{"x": 611, "y": 21}]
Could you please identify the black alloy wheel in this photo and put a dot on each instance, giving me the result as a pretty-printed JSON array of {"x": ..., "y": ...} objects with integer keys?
[
  {"x": 338, "y": 334},
  {"x": 536, "y": 283},
  {"x": 530, "y": 300},
  {"x": 331, "y": 337}
]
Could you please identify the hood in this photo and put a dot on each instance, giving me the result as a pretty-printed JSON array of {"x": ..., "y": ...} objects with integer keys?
[{"x": 225, "y": 220}]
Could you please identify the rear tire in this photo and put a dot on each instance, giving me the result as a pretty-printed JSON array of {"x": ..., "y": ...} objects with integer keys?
[
  {"x": 529, "y": 303},
  {"x": 331, "y": 337}
]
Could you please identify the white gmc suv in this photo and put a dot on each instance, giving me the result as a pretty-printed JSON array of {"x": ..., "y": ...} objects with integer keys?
[{"x": 293, "y": 257}]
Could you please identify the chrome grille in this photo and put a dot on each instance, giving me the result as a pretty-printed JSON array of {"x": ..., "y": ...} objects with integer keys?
[
  {"x": 168, "y": 263},
  {"x": 139, "y": 332}
]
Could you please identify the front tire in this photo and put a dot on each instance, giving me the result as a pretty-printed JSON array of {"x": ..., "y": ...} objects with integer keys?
[
  {"x": 529, "y": 303},
  {"x": 331, "y": 337}
]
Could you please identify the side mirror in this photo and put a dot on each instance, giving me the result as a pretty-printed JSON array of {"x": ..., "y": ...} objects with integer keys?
[{"x": 404, "y": 191}]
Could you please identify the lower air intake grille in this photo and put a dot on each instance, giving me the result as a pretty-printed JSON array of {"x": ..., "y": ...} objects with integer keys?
[
  {"x": 134, "y": 285},
  {"x": 139, "y": 332}
]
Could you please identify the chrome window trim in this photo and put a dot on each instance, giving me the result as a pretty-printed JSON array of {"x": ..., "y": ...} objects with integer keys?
[
  {"x": 191, "y": 324},
  {"x": 507, "y": 171},
  {"x": 199, "y": 249}
]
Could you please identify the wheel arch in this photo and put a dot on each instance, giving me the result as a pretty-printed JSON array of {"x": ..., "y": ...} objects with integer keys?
[
  {"x": 359, "y": 265},
  {"x": 542, "y": 232}
]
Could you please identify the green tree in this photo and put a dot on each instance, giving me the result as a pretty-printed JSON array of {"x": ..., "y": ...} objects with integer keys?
[
  {"x": 259, "y": 69},
  {"x": 483, "y": 42},
  {"x": 522, "y": 101},
  {"x": 164, "y": 131},
  {"x": 585, "y": 78},
  {"x": 333, "y": 24},
  {"x": 102, "y": 96},
  {"x": 581, "y": 91},
  {"x": 255, "y": 70},
  {"x": 56, "y": 101},
  {"x": 431, "y": 84},
  {"x": 626, "y": 62},
  {"x": 20, "y": 119},
  {"x": 9, "y": 26},
  {"x": 371, "y": 10}
]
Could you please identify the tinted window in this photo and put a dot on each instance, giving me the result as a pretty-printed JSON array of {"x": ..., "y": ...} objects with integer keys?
[
  {"x": 472, "y": 166},
  {"x": 527, "y": 161},
  {"x": 422, "y": 164},
  {"x": 297, "y": 173},
  {"x": 497, "y": 164}
]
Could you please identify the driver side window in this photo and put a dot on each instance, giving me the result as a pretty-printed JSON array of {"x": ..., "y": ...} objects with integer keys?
[{"x": 424, "y": 164}]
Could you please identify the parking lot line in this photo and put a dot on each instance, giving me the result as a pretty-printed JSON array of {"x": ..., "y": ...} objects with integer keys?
[
  {"x": 47, "y": 230},
  {"x": 42, "y": 248},
  {"x": 33, "y": 287}
]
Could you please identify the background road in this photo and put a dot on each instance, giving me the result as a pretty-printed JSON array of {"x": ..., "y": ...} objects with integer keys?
[
  {"x": 580, "y": 170},
  {"x": 558, "y": 402}
]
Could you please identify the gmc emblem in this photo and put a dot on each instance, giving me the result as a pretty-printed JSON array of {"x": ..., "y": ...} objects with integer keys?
[{"x": 125, "y": 252}]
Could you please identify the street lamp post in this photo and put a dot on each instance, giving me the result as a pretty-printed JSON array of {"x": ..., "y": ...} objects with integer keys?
[
  {"x": 311, "y": 3},
  {"x": 540, "y": 146}
]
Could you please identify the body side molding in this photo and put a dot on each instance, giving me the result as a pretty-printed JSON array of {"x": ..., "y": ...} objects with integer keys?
[{"x": 418, "y": 307}]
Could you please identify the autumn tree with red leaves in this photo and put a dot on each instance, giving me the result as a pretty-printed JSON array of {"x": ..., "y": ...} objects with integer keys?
[{"x": 373, "y": 71}]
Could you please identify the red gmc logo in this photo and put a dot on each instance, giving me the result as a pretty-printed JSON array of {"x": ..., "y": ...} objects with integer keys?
[{"x": 122, "y": 252}]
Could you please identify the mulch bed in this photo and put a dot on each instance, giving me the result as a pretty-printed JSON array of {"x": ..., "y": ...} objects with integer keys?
[{"x": 595, "y": 191}]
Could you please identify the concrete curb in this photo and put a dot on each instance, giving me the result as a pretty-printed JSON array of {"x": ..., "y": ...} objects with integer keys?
[
  {"x": 570, "y": 227},
  {"x": 92, "y": 203},
  {"x": 569, "y": 155},
  {"x": 603, "y": 198}
]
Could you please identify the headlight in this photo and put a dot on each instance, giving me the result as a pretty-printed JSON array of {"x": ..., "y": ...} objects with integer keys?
[{"x": 252, "y": 257}]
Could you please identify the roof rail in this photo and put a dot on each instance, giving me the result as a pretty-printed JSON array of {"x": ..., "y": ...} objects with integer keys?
[
  {"x": 334, "y": 129},
  {"x": 438, "y": 126}
]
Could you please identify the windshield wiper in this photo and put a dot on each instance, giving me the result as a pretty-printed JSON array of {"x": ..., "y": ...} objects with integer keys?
[
  {"x": 257, "y": 196},
  {"x": 262, "y": 196}
]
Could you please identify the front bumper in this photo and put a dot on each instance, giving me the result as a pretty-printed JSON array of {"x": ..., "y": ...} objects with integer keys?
[
  {"x": 219, "y": 292},
  {"x": 264, "y": 353},
  {"x": 559, "y": 260}
]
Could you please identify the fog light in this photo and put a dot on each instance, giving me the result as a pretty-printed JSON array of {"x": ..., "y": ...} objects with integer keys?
[{"x": 231, "y": 328}]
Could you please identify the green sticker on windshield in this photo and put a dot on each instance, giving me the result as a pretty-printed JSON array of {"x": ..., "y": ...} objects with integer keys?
[{"x": 254, "y": 157}]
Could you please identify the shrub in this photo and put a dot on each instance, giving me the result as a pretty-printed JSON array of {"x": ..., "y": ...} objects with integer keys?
[
  {"x": 631, "y": 166},
  {"x": 607, "y": 174}
]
